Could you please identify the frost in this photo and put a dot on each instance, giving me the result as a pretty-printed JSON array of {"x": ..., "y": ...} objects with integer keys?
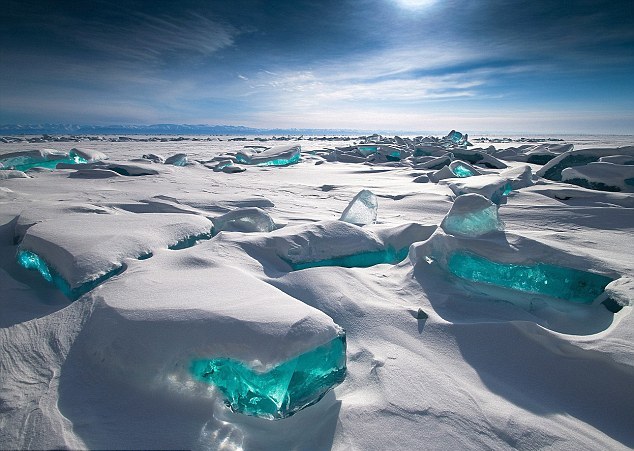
[
  {"x": 281, "y": 391},
  {"x": 472, "y": 215},
  {"x": 362, "y": 210}
]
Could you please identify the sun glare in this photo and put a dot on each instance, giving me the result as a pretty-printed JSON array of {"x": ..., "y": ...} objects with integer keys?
[{"x": 414, "y": 4}]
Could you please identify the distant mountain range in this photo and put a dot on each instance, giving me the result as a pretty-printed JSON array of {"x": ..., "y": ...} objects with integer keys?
[{"x": 162, "y": 129}]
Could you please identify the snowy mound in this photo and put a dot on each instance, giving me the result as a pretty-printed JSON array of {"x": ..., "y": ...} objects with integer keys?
[{"x": 83, "y": 248}]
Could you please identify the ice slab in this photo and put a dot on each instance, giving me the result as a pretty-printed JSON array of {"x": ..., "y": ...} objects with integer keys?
[
  {"x": 362, "y": 209},
  {"x": 175, "y": 309},
  {"x": 553, "y": 169},
  {"x": 281, "y": 391},
  {"x": 493, "y": 187},
  {"x": 12, "y": 174},
  {"x": 275, "y": 156},
  {"x": 42, "y": 158},
  {"x": 180, "y": 159},
  {"x": 555, "y": 281},
  {"x": 601, "y": 176},
  {"x": 472, "y": 215},
  {"x": 244, "y": 220},
  {"x": 360, "y": 260},
  {"x": 82, "y": 248}
]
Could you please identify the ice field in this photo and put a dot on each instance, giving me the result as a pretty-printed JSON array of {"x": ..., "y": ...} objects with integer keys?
[{"x": 363, "y": 293}]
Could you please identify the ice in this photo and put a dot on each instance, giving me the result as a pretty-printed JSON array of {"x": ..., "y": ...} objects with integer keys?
[
  {"x": 154, "y": 158},
  {"x": 43, "y": 158},
  {"x": 362, "y": 210},
  {"x": 553, "y": 169},
  {"x": 555, "y": 281},
  {"x": 462, "y": 170},
  {"x": 601, "y": 176},
  {"x": 246, "y": 220},
  {"x": 180, "y": 159},
  {"x": 360, "y": 260},
  {"x": 491, "y": 186},
  {"x": 275, "y": 156},
  {"x": 281, "y": 391},
  {"x": 472, "y": 215},
  {"x": 30, "y": 260},
  {"x": 12, "y": 174}
]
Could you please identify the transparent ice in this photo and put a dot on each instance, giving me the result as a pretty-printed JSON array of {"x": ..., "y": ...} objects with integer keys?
[
  {"x": 362, "y": 210},
  {"x": 281, "y": 391},
  {"x": 361, "y": 260},
  {"x": 24, "y": 163},
  {"x": 472, "y": 215},
  {"x": 555, "y": 281}
]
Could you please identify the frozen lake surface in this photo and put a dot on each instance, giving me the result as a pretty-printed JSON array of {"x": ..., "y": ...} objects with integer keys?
[{"x": 470, "y": 298}]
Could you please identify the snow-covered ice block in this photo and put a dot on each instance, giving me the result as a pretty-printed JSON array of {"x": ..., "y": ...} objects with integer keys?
[
  {"x": 522, "y": 271},
  {"x": 479, "y": 157},
  {"x": 362, "y": 209},
  {"x": 553, "y": 169},
  {"x": 154, "y": 158},
  {"x": 456, "y": 168},
  {"x": 40, "y": 158},
  {"x": 618, "y": 159},
  {"x": 601, "y": 176},
  {"x": 180, "y": 159},
  {"x": 275, "y": 156},
  {"x": 436, "y": 163},
  {"x": 491, "y": 186},
  {"x": 244, "y": 220},
  {"x": 90, "y": 155},
  {"x": 184, "y": 317},
  {"x": 83, "y": 248},
  {"x": 472, "y": 215}
]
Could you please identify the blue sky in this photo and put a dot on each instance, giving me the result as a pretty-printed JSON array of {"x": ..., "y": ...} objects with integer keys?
[{"x": 473, "y": 65}]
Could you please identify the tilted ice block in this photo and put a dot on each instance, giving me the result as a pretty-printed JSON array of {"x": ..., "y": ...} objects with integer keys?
[
  {"x": 553, "y": 169},
  {"x": 519, "y": 177},
  {"x": 601, "y": 176},
  {"x": 472, "y": 215},
  {"x": 362, "y": 210},
  {"x": 436, "y": 163},
  {"x": 177, "y": 318},
  {"x": 12, "y": 174},
  {"x": 83, "y": 248},
  {"x": 244, "y": 220},
  {"x": 180, "y": 159},
  {"x": 491, "y": 186},
  {"x": 90, "y": 155},
  {"x": 42, "y": 158},
  {"x": 618, "y": 159},
  {"x": 462, "y": 169},
  {"x": 275, "y": 156},
  {"x": 479, "y": 157},
  {"x": 154, "y": 158}
]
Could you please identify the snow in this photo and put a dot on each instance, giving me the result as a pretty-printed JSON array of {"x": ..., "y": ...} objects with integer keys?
[{"x": 434, "y": 360}]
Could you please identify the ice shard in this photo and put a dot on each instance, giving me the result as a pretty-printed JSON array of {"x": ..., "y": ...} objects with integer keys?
[
  {"x": 362, "y": 210},
  {"x": 282, "y": 390},
  {"x": 472, "y": 215},
  {"x": 559, "y": 282}
]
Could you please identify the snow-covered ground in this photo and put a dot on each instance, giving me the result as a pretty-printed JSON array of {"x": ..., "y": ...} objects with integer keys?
[{"x": 158, "y": 265}]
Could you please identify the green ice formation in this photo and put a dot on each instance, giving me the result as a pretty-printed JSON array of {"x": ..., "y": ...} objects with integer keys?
[
  {"x": 361, "y": 260},
  {"x": 30, "y": 260},
  {"x": 24, "y": 163},
  {"x": 559, "y": 282},
  {"x": 281, "y": 391},
  {"x": 462, "y": 171},
  {"x": 190, "y": 241}
]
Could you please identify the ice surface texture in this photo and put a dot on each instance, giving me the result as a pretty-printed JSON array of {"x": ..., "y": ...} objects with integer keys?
[
  {"x": 555, "y": 281},
  {"x": 362, "y": 210},
  {"x": 281, "y": 391},
  {"x": 361, "y": 260},
  {"x": 472, "y": 215}
]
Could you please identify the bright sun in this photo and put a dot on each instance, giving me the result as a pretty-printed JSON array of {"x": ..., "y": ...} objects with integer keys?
[{"x": 414, "y": 4}]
